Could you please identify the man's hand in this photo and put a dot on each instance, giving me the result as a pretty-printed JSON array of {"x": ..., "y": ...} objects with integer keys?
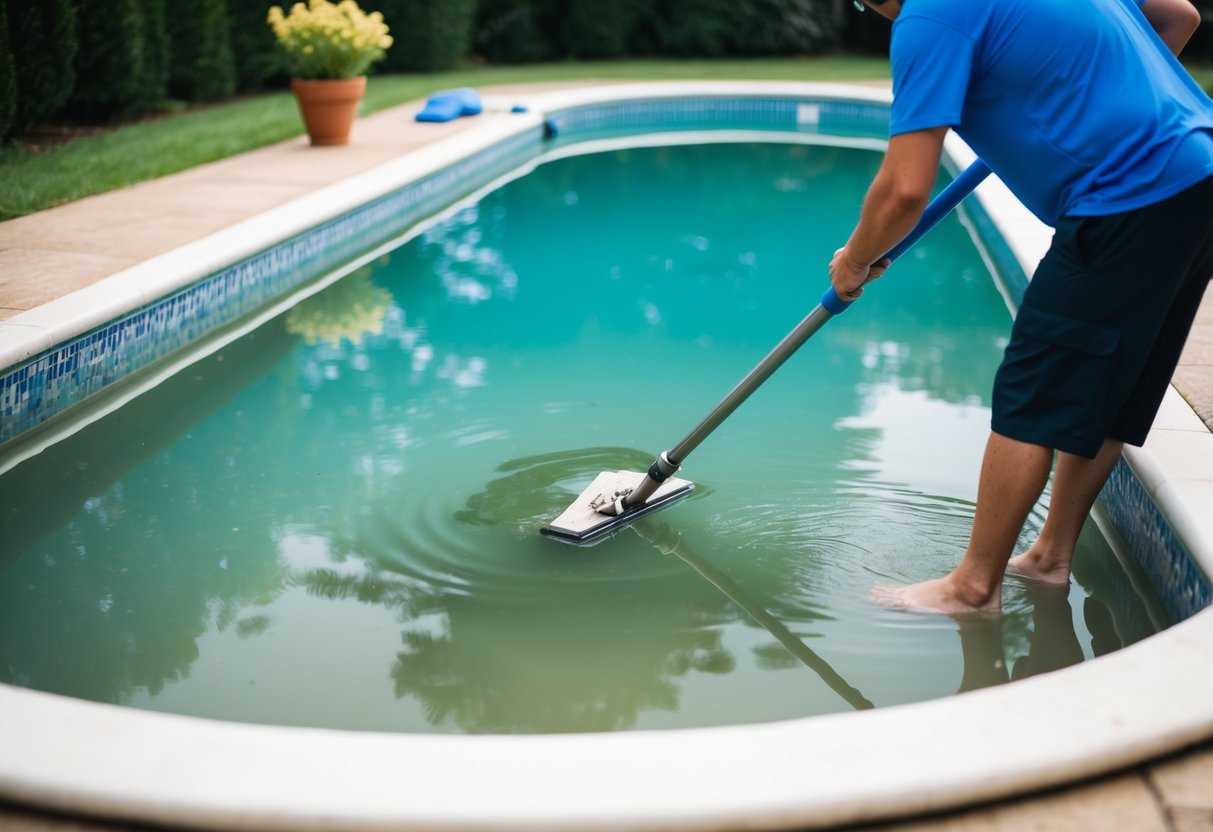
[
  {"x": 849, "y": 275},
  {"x": 892, "y": 206}
]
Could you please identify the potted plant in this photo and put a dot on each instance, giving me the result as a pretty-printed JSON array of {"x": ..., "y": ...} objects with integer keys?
[{"x": 329, "y": 47}]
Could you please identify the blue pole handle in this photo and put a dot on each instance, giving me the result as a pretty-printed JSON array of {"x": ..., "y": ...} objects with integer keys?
[{"x": 940, "y": 207}]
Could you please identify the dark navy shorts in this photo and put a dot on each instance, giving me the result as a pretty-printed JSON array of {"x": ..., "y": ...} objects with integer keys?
[{"x": 1102, "y": 325}]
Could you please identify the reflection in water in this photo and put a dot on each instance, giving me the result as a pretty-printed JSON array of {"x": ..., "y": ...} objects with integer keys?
[
  {"x": 462, "y": 653},
  {"x": 1053, "y": 643},
  {"x": 471, "y": 269},
  {"x": 578, "y": 684},
  {"x": 100, "y": 596},
  {"x": 668, "y": 541},
  {"x": 333, "y": 521},
  {"x": 468, "y": 671},
  {"x": 349, "y": 310}
]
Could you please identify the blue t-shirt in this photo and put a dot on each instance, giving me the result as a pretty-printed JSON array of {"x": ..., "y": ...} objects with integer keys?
[{"x": 1077, "y": 105}]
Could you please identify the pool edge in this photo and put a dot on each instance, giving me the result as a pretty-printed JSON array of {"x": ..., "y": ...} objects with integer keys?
[{"x": 815, "y": 772}]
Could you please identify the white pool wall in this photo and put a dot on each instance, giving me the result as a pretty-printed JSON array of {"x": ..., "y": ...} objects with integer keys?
[{"x": 1114, "y": 711}]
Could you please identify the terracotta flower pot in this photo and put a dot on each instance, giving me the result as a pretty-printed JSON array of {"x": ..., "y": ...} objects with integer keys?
[{"x": 329, "y": 107}]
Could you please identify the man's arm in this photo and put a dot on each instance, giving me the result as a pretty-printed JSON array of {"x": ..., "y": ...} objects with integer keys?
[
  {"x": 892, "y": 207},
  {"x": 1174, "y": 20}
]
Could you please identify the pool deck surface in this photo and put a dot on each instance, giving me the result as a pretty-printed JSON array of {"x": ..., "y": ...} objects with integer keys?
[{"x": 55, "y": 252}]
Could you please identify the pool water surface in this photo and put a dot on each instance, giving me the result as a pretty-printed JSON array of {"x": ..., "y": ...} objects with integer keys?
[{"x": 333, "y": 521}]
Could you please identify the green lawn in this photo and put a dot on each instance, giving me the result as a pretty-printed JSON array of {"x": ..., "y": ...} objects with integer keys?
[{"x": 31, "y": 181}]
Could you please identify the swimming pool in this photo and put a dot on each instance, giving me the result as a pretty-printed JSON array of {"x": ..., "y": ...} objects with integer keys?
[
  {"x": 611, "y": 764},
  {"x": 431, "y": 408}
]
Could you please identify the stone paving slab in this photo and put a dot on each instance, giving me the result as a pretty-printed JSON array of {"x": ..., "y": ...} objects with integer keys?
[
  {"x": 31, "y": 276},
  {"x": 1119, "y": 803},
  {"x": 1171, "y": 796},
  {"x": 1185, "y": 788}
]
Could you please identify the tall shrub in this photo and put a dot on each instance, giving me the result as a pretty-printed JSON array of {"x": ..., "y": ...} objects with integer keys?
[
  {"x": 730, "y": 28},
  {"x": 158, "y": 51},
  {"x": 8, "y": 78},
  {"x": 866, "y": 33},
  {"x": 111, "y": 62},
  {"x": 203, "y": 67},
  {"x": 692, "y": 28},
  {"x": 593, "y": 29},
  {"x": 511, "y": 32},
  {"x": 783, "y": 27},
  {"x": 42, "y": 37},
  {"x": 258, "y": 61},
  {"x": 429, "y": 34},
  {"x": 1200, "y": 47}
]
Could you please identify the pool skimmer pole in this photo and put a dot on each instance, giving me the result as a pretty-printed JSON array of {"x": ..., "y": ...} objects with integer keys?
[{"x": 618, "y": 498}]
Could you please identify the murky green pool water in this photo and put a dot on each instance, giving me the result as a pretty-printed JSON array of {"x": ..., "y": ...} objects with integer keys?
[{"x": 333, "y": 521}]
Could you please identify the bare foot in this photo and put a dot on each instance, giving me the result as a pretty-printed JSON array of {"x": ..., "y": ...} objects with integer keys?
[
  {"x": 1039, "y": 568},
  {"x": 939, "y": 595}
]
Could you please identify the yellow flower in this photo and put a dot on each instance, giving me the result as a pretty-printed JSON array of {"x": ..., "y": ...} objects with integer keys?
[{"x": 323, "y": 39}]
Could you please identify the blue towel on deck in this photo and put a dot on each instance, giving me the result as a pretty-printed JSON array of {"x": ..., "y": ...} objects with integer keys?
[{"x": 451, "y": 104}]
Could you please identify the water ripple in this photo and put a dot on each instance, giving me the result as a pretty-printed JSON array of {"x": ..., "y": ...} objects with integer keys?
[{"x": 489, "y": 545}]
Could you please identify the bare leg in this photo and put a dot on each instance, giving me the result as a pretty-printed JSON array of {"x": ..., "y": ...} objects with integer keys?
[
  {"x": 1075, "y": 487},
  {"x": 1013, "y": 475}
]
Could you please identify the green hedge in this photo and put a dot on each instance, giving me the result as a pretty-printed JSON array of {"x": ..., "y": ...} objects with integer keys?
[
  {"x": 691, "y": 28},
  {"x": 593, "y": 29},
  {"x": 158, "y": 52},
  {"x": 43, "y": 40},
  {"x": 429, "y": 35},
  {"x": 111, "y": 65},
  {"x": 784, "y": 27},
  {"x": 511, "y": 32},
  {"x": 866, "y": 32},
  {"x": 8, "y": 78},
  {"x": 203, "y": 67},
  {"x": 731, "y": 29},
  {"x": 524, "y": 31},
  {"x": 258, "y": 61},
  {"x": 97, "y": 60},
  {"x": 515, "y": 31}
]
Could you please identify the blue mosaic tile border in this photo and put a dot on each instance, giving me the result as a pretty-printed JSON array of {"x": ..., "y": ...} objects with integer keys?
[
  {"x": 1162, "y": 556},
  {"x": 827, "y": 116}
]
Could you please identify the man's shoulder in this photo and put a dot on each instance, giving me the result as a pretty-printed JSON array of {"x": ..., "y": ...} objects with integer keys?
[
  {"x": 963, "y": 17},
  {"x": 936, "y": 10},
  {"x": 924, "y": 21}
]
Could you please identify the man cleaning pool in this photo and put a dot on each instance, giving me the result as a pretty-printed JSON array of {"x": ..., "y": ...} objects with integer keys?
[{"x": 1083, "y": 111}]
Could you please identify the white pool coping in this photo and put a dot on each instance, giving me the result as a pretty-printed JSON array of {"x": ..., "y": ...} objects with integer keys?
[{"x": 1114, "y": 711}]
